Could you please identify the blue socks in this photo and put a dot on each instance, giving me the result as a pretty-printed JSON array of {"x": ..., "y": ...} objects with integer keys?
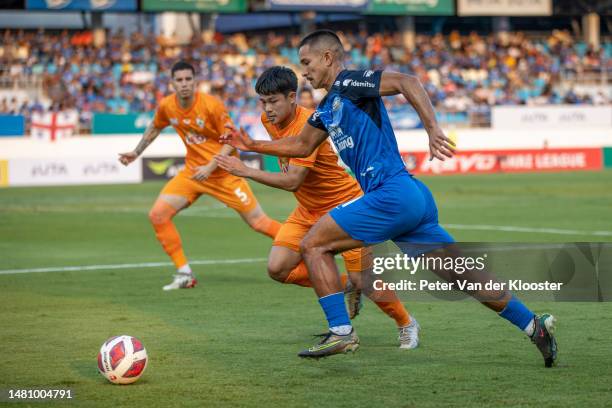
[
  {"x": 335, "y": 311},
  {"x": 517, "y": 313}
]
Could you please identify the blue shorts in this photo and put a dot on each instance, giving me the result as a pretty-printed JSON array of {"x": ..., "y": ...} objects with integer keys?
[{"x": 402, "y": 210}]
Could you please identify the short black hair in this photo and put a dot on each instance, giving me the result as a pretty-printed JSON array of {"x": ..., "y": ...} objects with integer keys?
[
  {"x": 277, "y": 80},
  {"x": 181, "y": 66},
  {"x": 326, "y": 38}
]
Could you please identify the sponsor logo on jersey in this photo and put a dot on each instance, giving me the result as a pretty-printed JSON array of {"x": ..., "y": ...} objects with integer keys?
[
  {"x": 337, "y": 83},
  {"x": 187, "y": 121},
  {"x": 368, "y": 73},
  {"x": 358, "y": 84},
  {"x": 173, "y": 121},
  {"x": 347, "y": 142},
  {"x": 192, "y": 138},
  {"x": 365, "y": 173},
  {"x": 341, "y": 141}
]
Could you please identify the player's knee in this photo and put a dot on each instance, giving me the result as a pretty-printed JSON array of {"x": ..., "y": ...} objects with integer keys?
[
  {"x": 158, "y": 217},
  {"x": 309, "y": 247},
  {"x": 277, "y": 272}
]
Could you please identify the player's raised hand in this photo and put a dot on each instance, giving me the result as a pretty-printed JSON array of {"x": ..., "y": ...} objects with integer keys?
[
  {"x": 440, "y": 146},
  {"x": 232, "y": 165},
  {"x": 127, "y": 158},
  {"x": 236, "y": 138}
]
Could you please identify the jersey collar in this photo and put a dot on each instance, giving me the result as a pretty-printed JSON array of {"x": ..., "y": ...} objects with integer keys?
[{"x": 190, "y": 108}]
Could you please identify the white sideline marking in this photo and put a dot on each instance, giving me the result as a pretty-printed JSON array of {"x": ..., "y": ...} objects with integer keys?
[
  {"x": 129, "y": 266},
  {"x": 250, "y": 260},
  {"x": 527, "y": 229}
]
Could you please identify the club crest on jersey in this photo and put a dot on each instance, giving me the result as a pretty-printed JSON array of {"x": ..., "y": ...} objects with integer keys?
[
  {"x": 336, "y": 104},
  {"x": 200, "y": 122},
  {"x": 173, "y": 121}
]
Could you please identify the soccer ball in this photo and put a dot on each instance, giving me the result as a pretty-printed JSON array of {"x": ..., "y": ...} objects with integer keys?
[{"x": 122, "y": 359}]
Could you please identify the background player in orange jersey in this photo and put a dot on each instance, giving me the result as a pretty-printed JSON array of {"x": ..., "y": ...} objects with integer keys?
[
  {"x": 319, "y": 185},
  {"x": 199, "y": 120}
]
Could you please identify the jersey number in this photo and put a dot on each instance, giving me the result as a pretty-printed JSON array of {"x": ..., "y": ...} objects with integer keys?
[{"x": 242, "y": 196}]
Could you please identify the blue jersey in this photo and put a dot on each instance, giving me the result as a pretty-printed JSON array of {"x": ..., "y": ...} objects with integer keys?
[{"x": 354, "y": 116}]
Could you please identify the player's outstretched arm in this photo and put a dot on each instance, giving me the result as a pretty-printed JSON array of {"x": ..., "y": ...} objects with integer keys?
[
  {"x": 301, "y": 145},
  {"x": 290, "y": 181},
  {"x": 202, "y": 173},
  {"x": 394, "y": 83},
  {"x": 148, "y": 137}
]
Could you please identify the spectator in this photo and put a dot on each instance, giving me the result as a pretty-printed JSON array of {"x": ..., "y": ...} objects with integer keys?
[{"x": 130, "y": 73}]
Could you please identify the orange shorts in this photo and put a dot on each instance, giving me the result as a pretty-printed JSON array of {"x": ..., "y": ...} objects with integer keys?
[
  {"x": 297, "y": 226},
  {"x": 231, "y": 190}
]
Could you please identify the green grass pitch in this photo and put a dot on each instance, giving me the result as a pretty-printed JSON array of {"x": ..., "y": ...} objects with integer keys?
[{"x": 233, "y": 340}]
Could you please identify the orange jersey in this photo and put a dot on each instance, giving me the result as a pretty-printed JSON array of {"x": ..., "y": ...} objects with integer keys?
[
  {"x": 199, "y": 126},
  {"x": 327, "y": 185}
]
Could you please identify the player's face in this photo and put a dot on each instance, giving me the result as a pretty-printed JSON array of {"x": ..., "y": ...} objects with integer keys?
[
  {"x": 184, "y": 83},
  {"x": 315, "y": 66},
  {"x": 278, "y": 107}
]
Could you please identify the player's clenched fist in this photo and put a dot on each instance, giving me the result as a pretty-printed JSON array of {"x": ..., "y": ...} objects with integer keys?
[
  {"x": 236, "y": 138},
  {"x": 127, "y": 158}
]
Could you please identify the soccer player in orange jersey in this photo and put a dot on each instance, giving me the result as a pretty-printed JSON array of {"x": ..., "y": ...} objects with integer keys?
[
  {"x": 199, "y": 119},
  {"x": 319, "y": 185}
]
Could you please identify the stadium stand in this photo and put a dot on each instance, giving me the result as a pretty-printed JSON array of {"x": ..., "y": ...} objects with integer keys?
[{"x": 464, "y": 74}]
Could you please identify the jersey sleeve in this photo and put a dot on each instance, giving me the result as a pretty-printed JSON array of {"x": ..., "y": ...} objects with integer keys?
[
  {"x": 220, "y": 117},
  {"x": 315, "y": 121},
  {"x": 356, "y": 85},
  {"x": 160, "y": 120}
]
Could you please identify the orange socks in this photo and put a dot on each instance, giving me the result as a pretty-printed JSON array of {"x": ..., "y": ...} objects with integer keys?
[
  {"x": 167, "y": 235},
  {"x": 299, "y": 276},
  {"x": 396, "y": 311},
  {"x": 266, "y": 226}
]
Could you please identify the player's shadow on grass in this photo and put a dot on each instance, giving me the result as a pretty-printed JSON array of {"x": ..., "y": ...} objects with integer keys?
[{"x": 87, "y": 369}]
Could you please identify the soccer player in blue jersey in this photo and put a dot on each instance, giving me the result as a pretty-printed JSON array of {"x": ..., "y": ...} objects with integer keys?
[{"x": 395, "y": 206}]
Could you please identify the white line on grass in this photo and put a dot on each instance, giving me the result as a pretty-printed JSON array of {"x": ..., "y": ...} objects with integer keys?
[
  {"x": 128, "y": 266},
  {"x": 507, "y": 228}
]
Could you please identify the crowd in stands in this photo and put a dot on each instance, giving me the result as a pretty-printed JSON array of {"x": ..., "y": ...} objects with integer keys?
[{"x": 130, "y": 73}]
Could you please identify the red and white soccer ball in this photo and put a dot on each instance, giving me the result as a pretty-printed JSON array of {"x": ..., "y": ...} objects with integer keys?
[{"x": 122, "y": 359}]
